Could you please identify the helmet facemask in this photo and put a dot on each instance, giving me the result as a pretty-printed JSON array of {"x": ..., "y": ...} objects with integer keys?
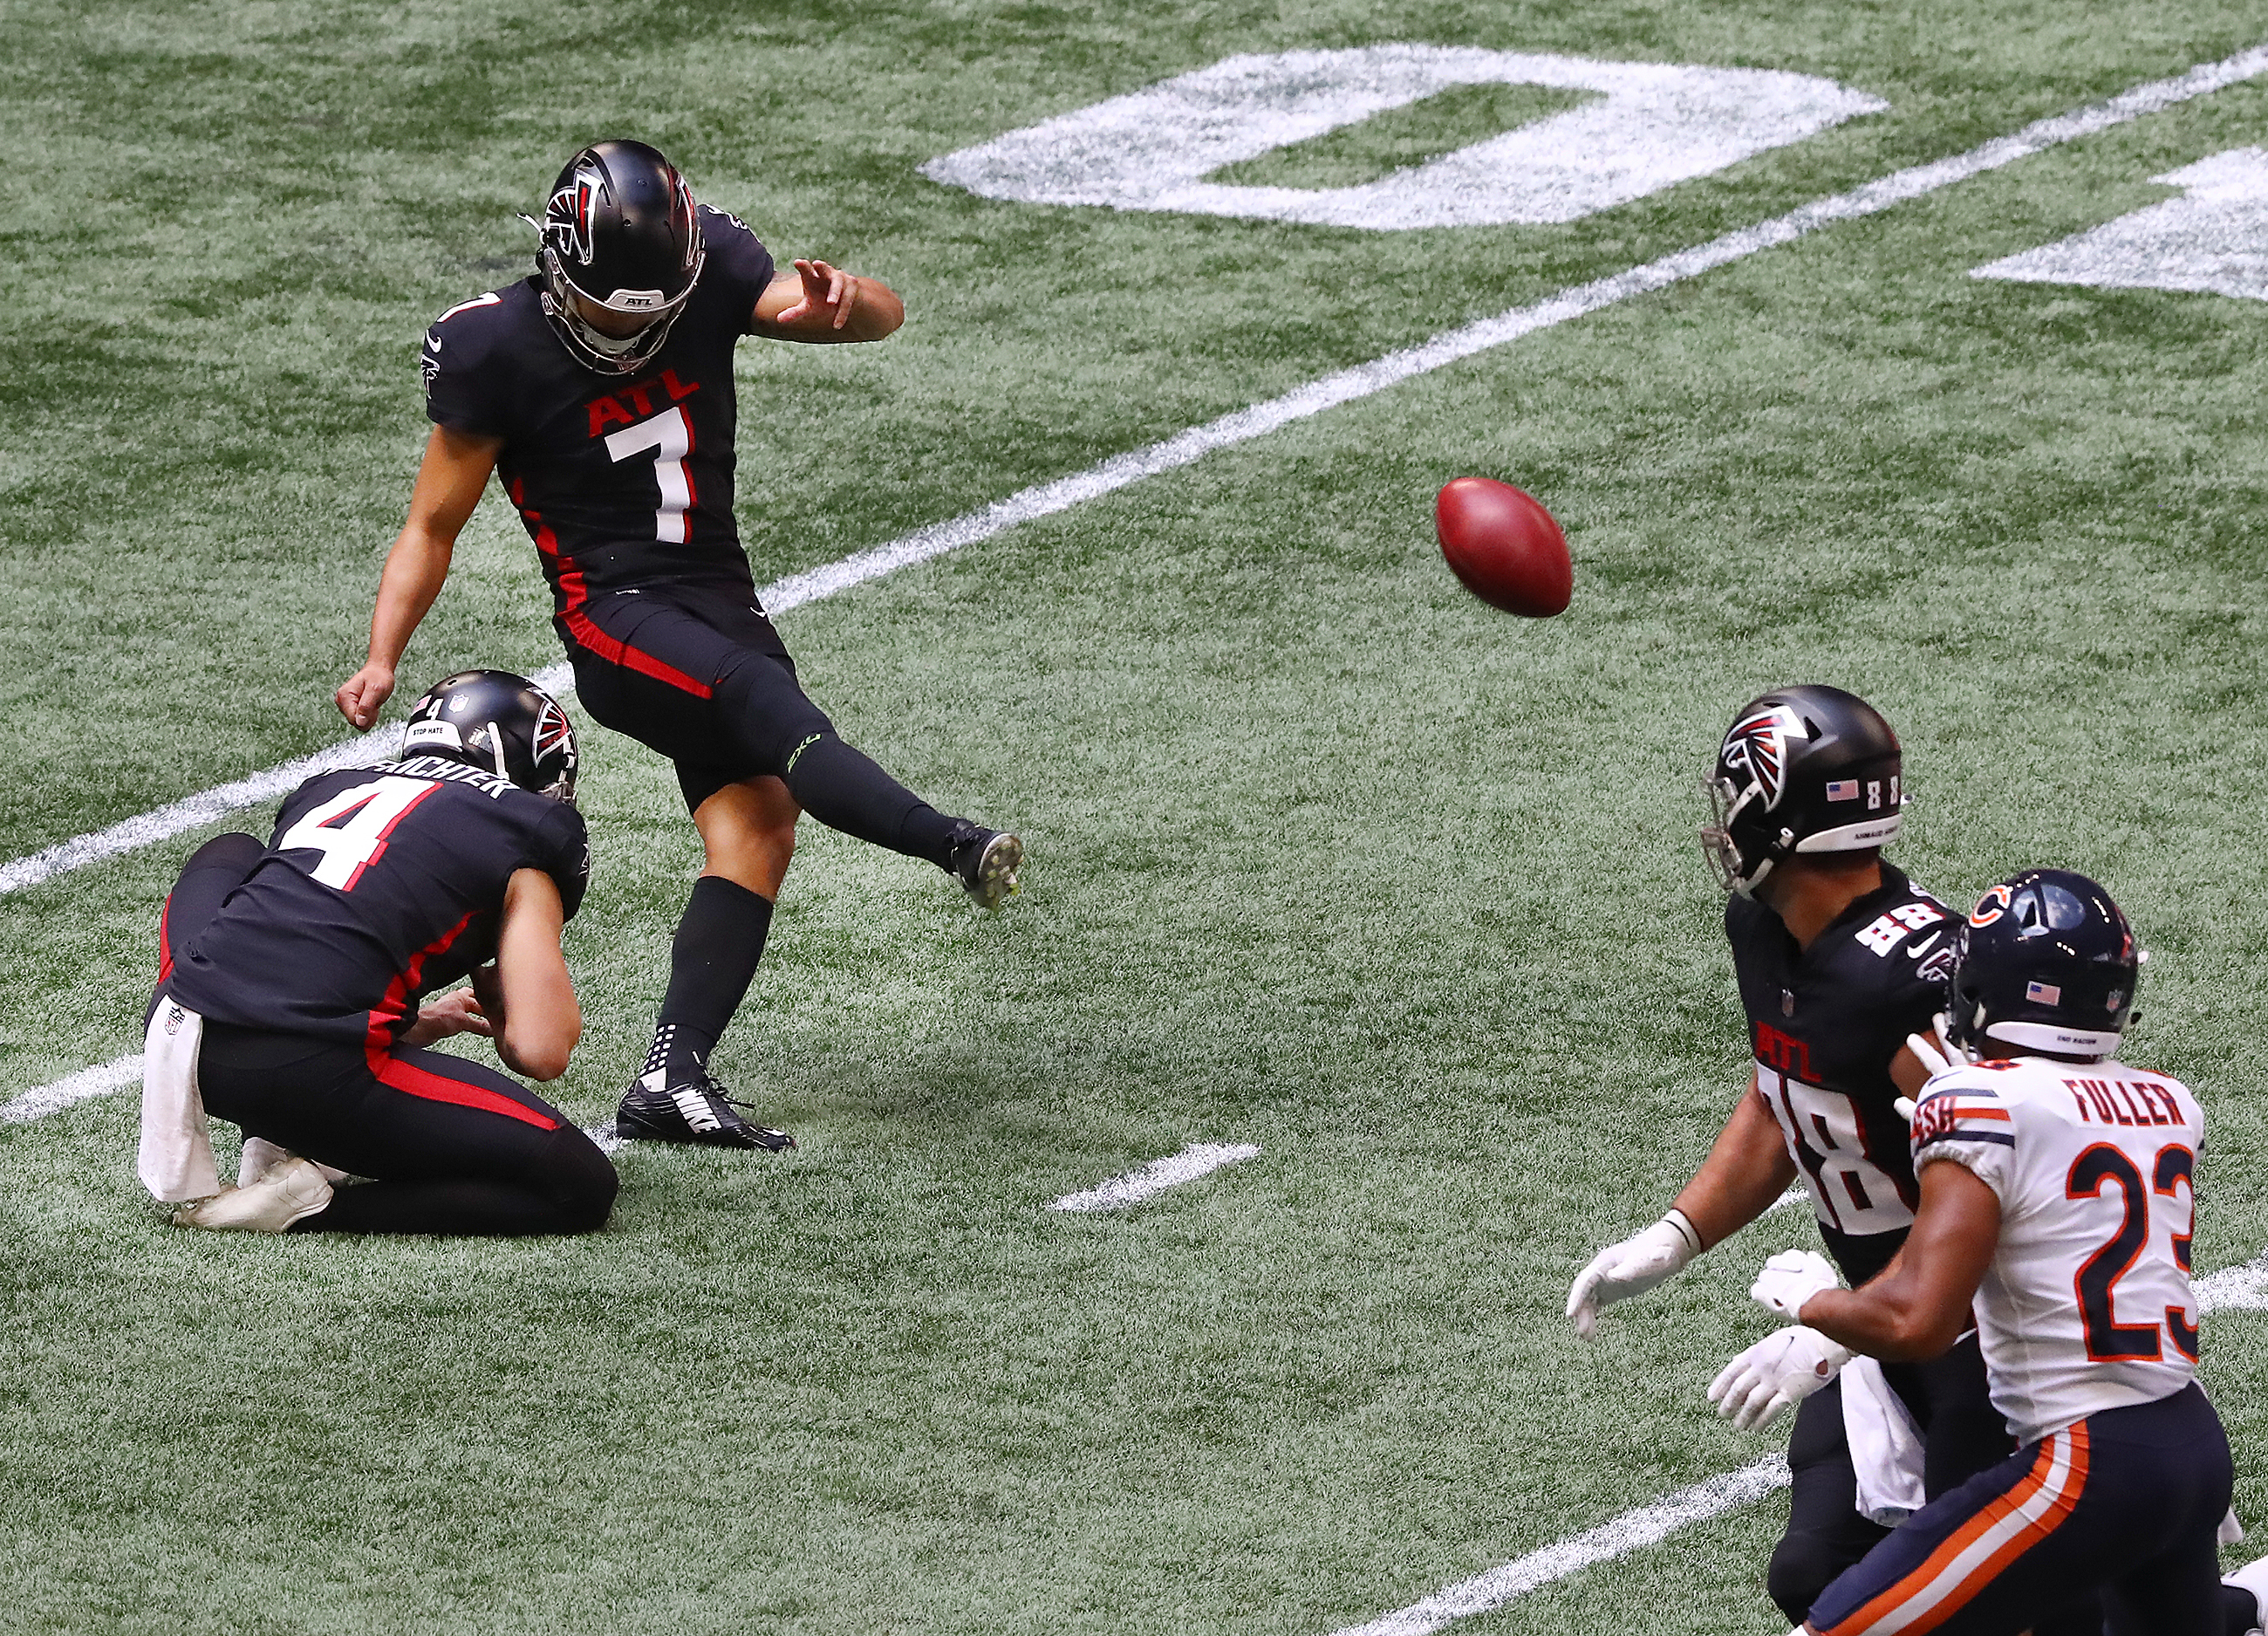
[
  {"x": 593, "y": 347},
  {"x": 620, "y": 233}
]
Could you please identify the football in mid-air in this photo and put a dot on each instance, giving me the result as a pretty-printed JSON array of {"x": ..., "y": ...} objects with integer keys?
[{"x": 1504, "y": 546}]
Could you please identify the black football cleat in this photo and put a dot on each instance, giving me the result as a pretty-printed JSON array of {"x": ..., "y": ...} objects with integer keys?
[
  {"x": 985, "y": 862},
  {"x": 695, "y": 1110}
]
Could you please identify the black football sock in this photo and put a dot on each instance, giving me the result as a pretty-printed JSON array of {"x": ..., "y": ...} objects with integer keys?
[
  {"x": 713, "y": 959},
  {"x": 844, "y": 790}
]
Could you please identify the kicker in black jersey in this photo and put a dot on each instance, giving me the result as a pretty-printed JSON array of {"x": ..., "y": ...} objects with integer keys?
[
  {"x": 379, "y": 885},
  {"x": 622, "y": 484},
  {"x": 1823, "y": 1023}
]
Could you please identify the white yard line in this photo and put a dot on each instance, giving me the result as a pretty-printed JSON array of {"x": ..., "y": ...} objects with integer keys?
[
  {"x": 1047, "y": 499},
  {"x": 87, "y": 1083},
  {"x": 1617, "y": 1536},
  {"x": 1198, "y": 1159}
]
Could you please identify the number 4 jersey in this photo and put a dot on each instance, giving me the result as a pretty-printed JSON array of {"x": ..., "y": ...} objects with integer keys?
[
  {"x": 381, "y": 884},
  {"x": 1824, "y": 1023},
  {"x": 2087, "y": 1304}
]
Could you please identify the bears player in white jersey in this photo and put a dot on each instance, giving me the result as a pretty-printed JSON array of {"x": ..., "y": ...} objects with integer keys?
[
  {"x": 1839, "y": 959},
  {"x": 599, "y": 392},
  {"x": 2057, "y": 1204}
]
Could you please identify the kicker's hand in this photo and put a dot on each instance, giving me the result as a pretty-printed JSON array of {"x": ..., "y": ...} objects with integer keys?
[
  {"x": 361, "y": 695},
  {"x": 1630, "y": 1268},
  {"x": 1791, "y": 1277},
  {"x": 826, "y": 290},
  {"x": 1775, "y": 1374}
]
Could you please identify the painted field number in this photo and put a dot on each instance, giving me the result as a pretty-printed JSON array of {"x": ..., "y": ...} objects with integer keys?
[{"x": 1654, "y": 125}]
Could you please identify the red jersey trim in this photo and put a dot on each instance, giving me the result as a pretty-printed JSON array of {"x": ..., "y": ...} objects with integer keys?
[
  {"x": 574, "y": 594},
  {"x": 408, "y": 1077}
]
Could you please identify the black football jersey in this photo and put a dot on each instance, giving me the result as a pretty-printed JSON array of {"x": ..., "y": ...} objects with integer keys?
[
  {"x": 622, "y": 482},
  {"x": 381, "y": 885},
  {"x": 1825, "y": 1023}
]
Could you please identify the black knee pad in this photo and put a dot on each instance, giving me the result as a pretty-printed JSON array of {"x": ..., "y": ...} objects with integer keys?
[
  {"x": 1802, "y": 1566},
  {"x": 768, "y": 715},
  {"x": 581, "y": 1181}
]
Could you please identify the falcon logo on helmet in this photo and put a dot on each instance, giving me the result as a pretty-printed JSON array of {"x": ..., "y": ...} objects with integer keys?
[
  {"x": 567, "y": 218},
  {"x": 1789, "y": 776},
  {"x": 1757, "y": 745},
  {"x": 504, "y": 724},
  {"x": 621, "y": 236}
]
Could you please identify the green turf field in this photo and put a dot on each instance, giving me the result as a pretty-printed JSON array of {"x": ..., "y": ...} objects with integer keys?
[{"x": 1325, "y": 856}]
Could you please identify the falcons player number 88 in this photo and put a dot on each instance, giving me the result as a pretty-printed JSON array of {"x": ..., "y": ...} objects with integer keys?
[{"x": 1823, "y": 1130}]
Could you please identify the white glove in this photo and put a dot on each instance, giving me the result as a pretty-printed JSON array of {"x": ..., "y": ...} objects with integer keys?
[
  {"x": 1932, "y": 1052},
  {"x": 1791, "y": 1277},
  {"x": 1630, "y": 1268},
  {"x": 1775, "y": 1374}
]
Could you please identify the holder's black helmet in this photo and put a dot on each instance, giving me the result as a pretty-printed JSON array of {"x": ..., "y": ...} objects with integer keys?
[
  {"x": 499, "y": 723},
  {"x": 620, "y": 231},
  {"x": 2047, "y": 962},
  {"x": 1802, "y": 770}
]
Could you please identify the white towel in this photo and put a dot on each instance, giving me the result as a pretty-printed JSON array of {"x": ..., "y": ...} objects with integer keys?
[
  {"x": 1885, "y": 1445},
  {"x": 176, "y": 1161}
]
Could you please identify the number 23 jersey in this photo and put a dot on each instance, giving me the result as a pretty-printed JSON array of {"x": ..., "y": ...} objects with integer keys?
[
  {"x": 381, "y": 885},
  {"x": 1824, "y": 1023},
  {"x": 2087, "y": 1304}
]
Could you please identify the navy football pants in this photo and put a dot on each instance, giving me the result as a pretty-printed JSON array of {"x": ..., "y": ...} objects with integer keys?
[
  {"x": 453, "y": 1148},
  {"x": 2126, "y": 1502}
]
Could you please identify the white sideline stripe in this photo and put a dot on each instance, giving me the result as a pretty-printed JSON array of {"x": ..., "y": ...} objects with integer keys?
[
  {"x": 87, "y": 1083},
  {"x": 1633, "y": 1531},
  {"x": 1198, "y": 1159},
  {"x": 1047, "y": 499}
]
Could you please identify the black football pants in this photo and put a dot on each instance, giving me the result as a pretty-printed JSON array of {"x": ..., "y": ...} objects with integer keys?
[
  {"x": 704, "y": 679},
  {"x": 453, "y": 1148}
]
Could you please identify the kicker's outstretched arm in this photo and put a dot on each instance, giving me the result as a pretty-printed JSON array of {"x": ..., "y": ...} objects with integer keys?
[{"x": 449, "y": 480}]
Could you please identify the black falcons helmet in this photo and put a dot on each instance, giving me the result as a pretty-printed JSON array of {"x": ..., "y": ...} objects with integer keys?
[
  {"x": 2046, "y": 963},
  {"x": 620, "y": 231},
  {"x": 1802, "y": 770},
  {"x": 499, "y": 723}
]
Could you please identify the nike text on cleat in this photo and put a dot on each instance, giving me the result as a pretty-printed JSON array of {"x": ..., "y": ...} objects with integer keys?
[
  {"x": 287, "y": 1192},
  {"x": 694, "y": 1110},
  {"x": 986, "y": 861}
]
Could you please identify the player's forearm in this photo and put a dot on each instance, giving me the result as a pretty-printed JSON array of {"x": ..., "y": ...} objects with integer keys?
[
  {"x": 1744, "y": 1173},
  {"x": 878, "y": 312},
  {"x": 416, "y": 570},
  {"x": 1889, "y": 1319}
]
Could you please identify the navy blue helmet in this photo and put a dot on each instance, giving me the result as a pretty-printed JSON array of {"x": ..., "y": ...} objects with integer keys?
[
  {"x": 1801, "y": 769},
  {"x": 2046, "y": 963}
]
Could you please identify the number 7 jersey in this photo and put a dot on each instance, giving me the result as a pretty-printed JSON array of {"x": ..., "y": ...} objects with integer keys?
[
  {"x": 2086, "y": 1305},
  {"x": 624, "y": 482}
]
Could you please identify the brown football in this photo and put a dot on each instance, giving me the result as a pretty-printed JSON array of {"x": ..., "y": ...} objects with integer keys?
[{"x": 1504, "y": 546}]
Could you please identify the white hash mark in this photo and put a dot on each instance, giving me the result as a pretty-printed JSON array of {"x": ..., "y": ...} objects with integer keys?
[{"x": 1198, "y": 1159}]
